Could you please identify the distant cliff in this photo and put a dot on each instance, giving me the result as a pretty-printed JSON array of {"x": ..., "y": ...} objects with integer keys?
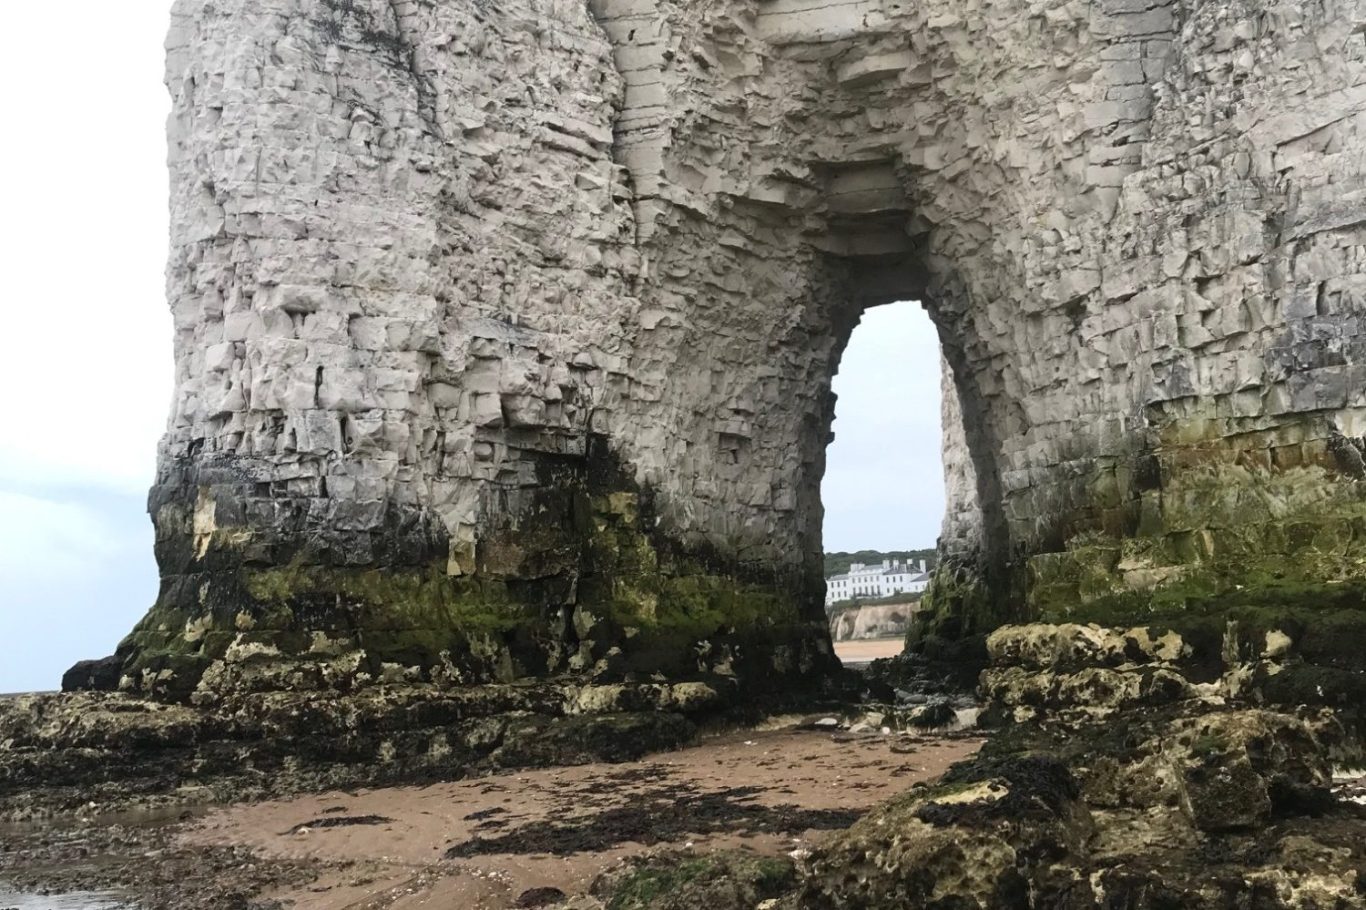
[{"x": 872, "y": 621}]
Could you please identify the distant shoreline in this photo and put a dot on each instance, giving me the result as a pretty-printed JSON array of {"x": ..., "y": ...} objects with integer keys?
[{"x": 858, "y": 652}]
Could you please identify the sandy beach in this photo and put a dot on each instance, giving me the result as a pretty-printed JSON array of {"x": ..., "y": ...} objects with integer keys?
[
  {"x": 854, "y": 653},
  {"x": 487, "y": 843},
  {"x": 482, "y": 844}
]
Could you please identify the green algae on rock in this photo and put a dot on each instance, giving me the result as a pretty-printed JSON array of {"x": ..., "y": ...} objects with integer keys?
[
  {"x": 1120, "y": 775},
  {"x": 680, "y": 881},
  {"x": 584, "y": 585},
  {"x": 108, "y": 751}
]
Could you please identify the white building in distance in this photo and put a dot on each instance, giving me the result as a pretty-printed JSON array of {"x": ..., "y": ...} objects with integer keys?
[{"x": 863, "y": 582}]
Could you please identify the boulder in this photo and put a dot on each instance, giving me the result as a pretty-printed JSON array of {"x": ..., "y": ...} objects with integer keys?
[{"x": 93, "y": 675}]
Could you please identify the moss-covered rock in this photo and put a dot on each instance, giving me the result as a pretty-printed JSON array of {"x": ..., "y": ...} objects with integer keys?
[
  {"x": 685, "y": 881},
  {"x": 1199, "y": 521},
  {"x": 1095, "y": 798},
  {"x": 978, "y": 840},
  {"x": 66, "y": 751},
  {"x": 584, "y": 584}
]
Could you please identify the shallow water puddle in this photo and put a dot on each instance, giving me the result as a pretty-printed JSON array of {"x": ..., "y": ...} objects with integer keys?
[
  {"x": 81, "y": 900},
  {"x": 1350, "y": 784}
]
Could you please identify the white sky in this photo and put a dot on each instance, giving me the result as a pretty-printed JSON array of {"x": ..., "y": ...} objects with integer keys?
[
  {"x": 85, "y": 351},
  {"x": 86, "y": 363},
  {"x": 884, "y": 477}
]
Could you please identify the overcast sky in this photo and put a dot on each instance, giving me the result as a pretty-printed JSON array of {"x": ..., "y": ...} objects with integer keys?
[
  {"x": 86, "y": 364},
  {"x": 884, "y": 480}
]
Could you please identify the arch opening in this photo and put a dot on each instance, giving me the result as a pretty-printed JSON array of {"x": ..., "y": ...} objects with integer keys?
[{"x": 883, "y": 491}]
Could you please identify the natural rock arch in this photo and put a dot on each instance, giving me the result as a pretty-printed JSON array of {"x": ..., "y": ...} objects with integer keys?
[{"x": 504, "y": 330}]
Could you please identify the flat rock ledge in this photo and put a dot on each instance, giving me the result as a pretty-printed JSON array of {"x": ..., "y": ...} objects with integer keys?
[
  {"x": 105, "y": 752},
  {"x": 1127, "y": 771}
]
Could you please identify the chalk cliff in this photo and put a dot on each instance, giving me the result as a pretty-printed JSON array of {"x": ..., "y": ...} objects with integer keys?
[
  {"x": 505, "y": 328},
  {"x": 872, "y": 621}
]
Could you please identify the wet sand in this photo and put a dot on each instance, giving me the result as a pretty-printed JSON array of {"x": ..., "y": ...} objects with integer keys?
[
  {"x": 853, "y": 653},
  {"x": 481, "y": 844}
]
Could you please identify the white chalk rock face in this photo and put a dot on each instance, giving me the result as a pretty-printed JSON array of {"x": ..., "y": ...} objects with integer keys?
[{"x": 505, "y": 330}]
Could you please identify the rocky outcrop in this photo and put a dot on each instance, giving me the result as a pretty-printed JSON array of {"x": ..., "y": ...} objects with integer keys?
[
  {"x": 1121, "y": 774},
  {"x": 100, "y": 753},
  {"x": 1124, "y": 776},
  {"x": 504, "y": 331},
  {"x": 679, "y": 881},
  {"x": 93, "y": 676},
  {"x": 1200, "y": 814},
  {"x": 1285, "y": 654}
]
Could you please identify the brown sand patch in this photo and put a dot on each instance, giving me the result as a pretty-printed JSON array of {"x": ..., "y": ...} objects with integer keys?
[
  {"x": 862, "y": 652},
  {"x": 480, "y": 844}
]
